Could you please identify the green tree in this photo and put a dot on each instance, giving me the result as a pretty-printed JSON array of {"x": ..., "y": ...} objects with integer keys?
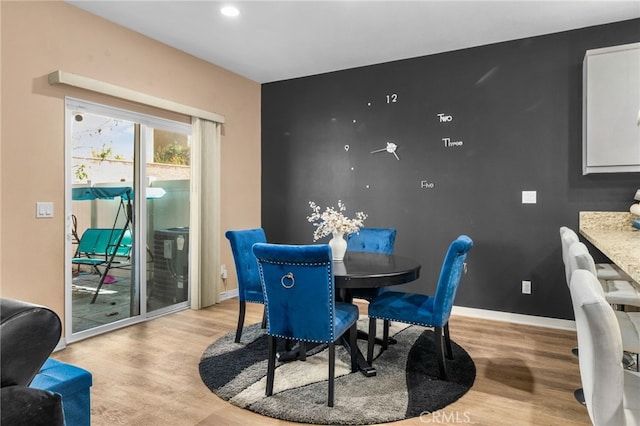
[
  {"x": 173, "y": 154},
  {"x": 103, "y": 154},
  {"x": 81, "y": 173}
]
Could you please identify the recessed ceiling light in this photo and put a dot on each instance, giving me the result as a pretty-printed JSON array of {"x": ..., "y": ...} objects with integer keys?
[{"x": 230, "y": 11}]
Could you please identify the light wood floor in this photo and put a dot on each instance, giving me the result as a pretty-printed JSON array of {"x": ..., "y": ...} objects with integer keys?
[{"x": 147, "y": 374}]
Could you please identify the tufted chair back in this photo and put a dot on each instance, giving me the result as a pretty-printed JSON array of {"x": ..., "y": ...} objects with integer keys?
[
  {"x": 450, "y": 274},
  {"x": 372, "y": 240},
  {"x": 299, "y": 291},
  {"x": 249, "y": 287}
]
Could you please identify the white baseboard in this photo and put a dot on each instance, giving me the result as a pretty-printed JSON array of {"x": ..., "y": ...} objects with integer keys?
[
  {"x": 229, "y": 294},
  {"x": 62, "y": 344},
  {"x": 515, "y": 318}
]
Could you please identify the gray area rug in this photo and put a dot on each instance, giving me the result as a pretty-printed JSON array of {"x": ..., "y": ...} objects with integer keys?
[{"x": 406, "y": 384}]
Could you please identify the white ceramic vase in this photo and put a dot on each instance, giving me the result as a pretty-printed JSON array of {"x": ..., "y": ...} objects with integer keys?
[{"x": 338, "y": 246}]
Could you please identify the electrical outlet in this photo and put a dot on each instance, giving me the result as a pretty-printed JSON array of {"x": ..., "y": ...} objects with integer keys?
[
  {"x": 223, "y": 272},
  {"x": 526, "y": 287}
]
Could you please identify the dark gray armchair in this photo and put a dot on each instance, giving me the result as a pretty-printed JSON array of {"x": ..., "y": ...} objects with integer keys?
[{"x": 28, "y": 335}]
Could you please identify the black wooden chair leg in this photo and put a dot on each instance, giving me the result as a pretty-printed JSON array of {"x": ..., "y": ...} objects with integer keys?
[
  {"x": 371, "y": 340},
  {"x": 447, "y": 341},
  {"x": 243, "y": 308},
  {"x": 302, "y": 352},
  {"x": 332, "y": 368},
  {"x": 385, "y": 336},
  {"x": 442, "y": 367},
  {"x": 271, "y": 365},
  {"x": 264, "y": 318},
  {"x": 353, "y": 342}
]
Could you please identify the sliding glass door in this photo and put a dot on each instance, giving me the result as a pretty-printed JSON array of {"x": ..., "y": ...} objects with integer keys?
[
  {"x": 168, "y": 220},
  {"x": 128, "y": 178}
]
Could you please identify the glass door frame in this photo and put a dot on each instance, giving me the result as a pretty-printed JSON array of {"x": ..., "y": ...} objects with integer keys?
[{"x": 138, "y": 310}]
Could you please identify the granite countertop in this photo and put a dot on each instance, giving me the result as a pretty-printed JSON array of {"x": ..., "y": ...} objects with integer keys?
[{"x": 613, "y": 235}]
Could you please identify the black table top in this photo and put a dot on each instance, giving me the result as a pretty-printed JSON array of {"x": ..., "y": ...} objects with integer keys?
[{"x": 371, "y": 270}]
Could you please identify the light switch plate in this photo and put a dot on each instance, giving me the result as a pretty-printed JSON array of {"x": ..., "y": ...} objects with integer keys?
[
  {"x": 529, "y": 197},
  {"x": 44, "y": 209}
]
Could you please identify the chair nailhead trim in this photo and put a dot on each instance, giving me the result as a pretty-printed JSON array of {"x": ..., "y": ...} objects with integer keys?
[
  {"x": 405, "y": 322},
  {"x": 331, "y": 296},
  {"x": 296, "y": 263},
  {"x": 303, "y": 340}
]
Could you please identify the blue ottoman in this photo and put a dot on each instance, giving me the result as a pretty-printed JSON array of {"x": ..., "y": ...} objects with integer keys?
[{"x": 73, "y": 384}]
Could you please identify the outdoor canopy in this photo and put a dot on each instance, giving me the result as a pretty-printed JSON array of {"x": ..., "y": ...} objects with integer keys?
[{"x": 109, "y": 193}]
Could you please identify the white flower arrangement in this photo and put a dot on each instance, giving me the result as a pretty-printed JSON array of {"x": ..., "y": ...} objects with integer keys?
[{"x": 333, "y": 221}]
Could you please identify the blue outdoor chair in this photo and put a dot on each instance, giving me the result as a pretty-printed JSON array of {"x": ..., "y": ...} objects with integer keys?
[
  {"x": 427, "y": 311},
  {"x": 249, "y": 287},
  {"x": 298, "y": 285}
]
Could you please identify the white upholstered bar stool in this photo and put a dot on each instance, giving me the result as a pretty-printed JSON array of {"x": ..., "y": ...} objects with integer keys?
[
  {"x": 629, "y": 322},
  {"x": 616, "y": 285},
  {"x": 611, "y": 393},
  {"x": 605, "y": 271}
]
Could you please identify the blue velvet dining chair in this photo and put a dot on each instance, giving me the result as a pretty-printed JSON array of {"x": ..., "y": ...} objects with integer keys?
[
  {"x": 371, "y": 240},
  {"x": 249, "y": 286},
  {"x": 298, "y": 285},
  {"x": 428, "y": 311}
]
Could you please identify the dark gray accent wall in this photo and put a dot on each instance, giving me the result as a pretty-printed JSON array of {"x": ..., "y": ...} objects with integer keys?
[{"x": 473, "y": 128}]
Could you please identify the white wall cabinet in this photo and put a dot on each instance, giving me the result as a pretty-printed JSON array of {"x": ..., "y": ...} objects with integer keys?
[{"x": 611, "y": 110}]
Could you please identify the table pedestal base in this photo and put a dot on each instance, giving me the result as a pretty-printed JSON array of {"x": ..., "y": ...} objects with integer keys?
[{"x": 364, "y": 367}]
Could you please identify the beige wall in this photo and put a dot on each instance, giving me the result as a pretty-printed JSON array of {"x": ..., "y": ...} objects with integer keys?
[{"x": 40, "y": 37}]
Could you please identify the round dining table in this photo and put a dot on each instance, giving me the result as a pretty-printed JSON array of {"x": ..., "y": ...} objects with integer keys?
[{"x": 373, "y": 270}]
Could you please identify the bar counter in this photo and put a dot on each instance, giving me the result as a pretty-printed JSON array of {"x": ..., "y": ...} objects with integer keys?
[{"x": 613, "y": 235}]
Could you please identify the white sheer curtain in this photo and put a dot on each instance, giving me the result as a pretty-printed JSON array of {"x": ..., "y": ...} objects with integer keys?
[{"x": 205, "y": 212}]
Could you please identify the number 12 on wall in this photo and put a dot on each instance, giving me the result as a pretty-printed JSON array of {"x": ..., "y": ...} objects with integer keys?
[{"x": 392, "y": 98}]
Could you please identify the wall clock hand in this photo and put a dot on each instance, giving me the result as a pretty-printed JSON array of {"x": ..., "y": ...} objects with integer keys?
[{"x": 390, "y": 148}]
